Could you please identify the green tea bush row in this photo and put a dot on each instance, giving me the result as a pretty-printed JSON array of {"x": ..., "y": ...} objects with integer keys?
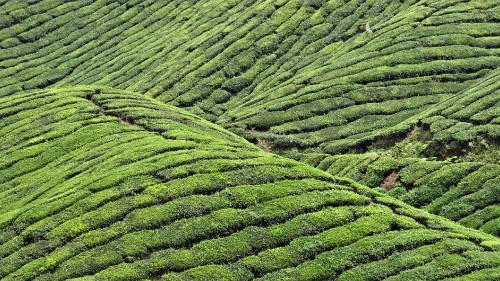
[
  {"x": 463, "y": 196},
  {"x": 242, "y": 243},
  {"x": 451, "y": 265},
  {"x": 406, "y": 260},
  {"x": 329, "y": 264}
]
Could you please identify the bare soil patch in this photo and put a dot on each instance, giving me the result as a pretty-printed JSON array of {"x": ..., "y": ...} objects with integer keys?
[{"x": 390, "y": 181}]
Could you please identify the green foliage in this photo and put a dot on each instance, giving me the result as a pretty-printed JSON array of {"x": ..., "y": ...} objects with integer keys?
[
  {"x": 100, "y": 183},
  {"x": 314, "y": 3},
  {"x": 300, "y": 68},
  {"x": 462, "y": 192},
  {"x": 126, "y": 198}
]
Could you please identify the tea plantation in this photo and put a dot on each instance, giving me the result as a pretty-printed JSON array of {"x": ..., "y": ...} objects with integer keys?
[
  {"x": 297, "y": 73},
  {"x": 463, "y": 187},
  {"x": 466, "y": 192},
  {"x": 249, "y": 139},
  {"x": 106, "y": 184}
]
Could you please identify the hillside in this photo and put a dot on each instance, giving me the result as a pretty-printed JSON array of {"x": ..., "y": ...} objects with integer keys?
[
  {"x": 463, "y": 132},
  {"x": 298, "y": 73},
  {"x": 129, "y": 188},
  {"x": 466, "y": 192},
  {"x": 251, "y": 139}
]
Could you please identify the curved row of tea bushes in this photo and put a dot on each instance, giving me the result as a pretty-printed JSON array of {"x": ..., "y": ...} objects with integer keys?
[
  {"x": 467, "y": 192},
  {"x": 105, "y": 184},
  {"x": 472, "y": 116},
  {"x": 292, "y": 72}
]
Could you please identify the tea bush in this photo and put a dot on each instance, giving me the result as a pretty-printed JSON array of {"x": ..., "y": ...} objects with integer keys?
[{"x": 121, "y": 197}]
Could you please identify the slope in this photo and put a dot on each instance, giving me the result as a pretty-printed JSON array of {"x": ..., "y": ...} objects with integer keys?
[
  {"x": 463, "y": 129},
  {"x": 296, "y": 73},
  {"x": 469, "y": 119},
  {"x": 100, "y": 183},
  {"x": 466, "y": 192}
]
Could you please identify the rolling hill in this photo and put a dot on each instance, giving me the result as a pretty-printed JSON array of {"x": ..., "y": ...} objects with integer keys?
[
  {"x": 298, "y": 73},
  {"x": 466, "y": 192},
  {"x": 448, "y": 164},
  {"x": 106, "y": 184},
  {"x": 252, "y": 139}
]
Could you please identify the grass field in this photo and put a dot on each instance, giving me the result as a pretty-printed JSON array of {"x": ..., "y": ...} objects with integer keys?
[{"x": 252, "y": 139}]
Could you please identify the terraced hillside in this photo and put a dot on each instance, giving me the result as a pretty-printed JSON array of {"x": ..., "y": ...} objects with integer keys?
[
  {"x": 466, "y": 192},
  {"x": 293, "y": 73},
  {"x": 126, "y": 132},
  {"x": 105, "y": 184},
  {"x": 469, "y": 119},
  {"x": 462, "y": 129}
]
